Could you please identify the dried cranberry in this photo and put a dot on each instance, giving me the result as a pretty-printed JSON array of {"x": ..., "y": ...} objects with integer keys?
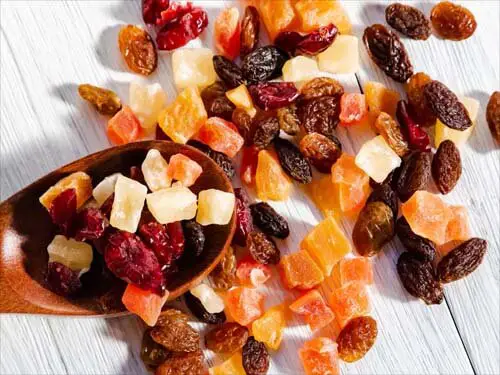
[
  {"x": 63, "y": 210},
  {"x": 417, "y": 137},
  {"x": 173, "y": 13},
  {"x": 136, "y": 174},
  {"x": 176, "y": 235},
  {"x": 244, "y": 223},
  {"x": 90, "y": 224},
  {"x": 62, "y": 280},
  {"x": 317, "y": 41},
  {"x": 273, "y": 95},
  {"x": 132, "y": 261},
  {"x": 288, "y": 41},
  {"x": 151, "y": 10},
  {"x": 165, "y": 241}
]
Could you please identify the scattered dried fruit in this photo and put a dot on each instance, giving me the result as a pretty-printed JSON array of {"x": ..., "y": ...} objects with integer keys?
[
  {"x": 250, "y": 27},
  {"x": 138, "y": 49},
  {"x": 226, "y": 338},
  {"x": 269, "y": 221},
  {"x": 300, "y": 69},
  {"x": 299, "y": 270},
  {"x": 353, "y": 108},
  {"x": 255, "y": 357},
  {"x": 263, "y": 64},
  {"x": 244, "y": 304},
  {"x": 219, "y": 158},
  {"x": 424, "y": 248},
  {"x": 221, "y": 135},
  {"x": 319, "y": 356},
  {"x": 357, "y": 338},
  {"x": 358, "y": 269},
  {"x": 292, "y": 161},
  {"x": 414, "y": 174},
  {"x": 446, "y": 166},
  {"x": 146, "y": 304},
  {"x": 245, "y": 124},
  {"x": 193, "y": 67},
  {"x": 269, "y": 328},
  {"x": 462, "y": 261},
  {"x": 349, "y": 301},
  {"x": 123, "y": 127},
  {"x": 314, "y": 310},
  {"x": 227, "y": 31},
  {"x": 342, "y": 57},
  {"x": 191, "y": 363},
  {"x": 408, "y": 20},
  {"x": 380, "y": 99},
  {"x": 248, "y": 166},
  {"x": 377, "y": 159},
  {"x": 321, "y": 86},
  {"x": 271, "y": 181},
  {"x": 262, "y": 248},
  {"x": 251, "y": 273},
  {"x": 493, "y": 115},
  {"x": 452, "y": 21},
  {"x": 105, "y": 101}
]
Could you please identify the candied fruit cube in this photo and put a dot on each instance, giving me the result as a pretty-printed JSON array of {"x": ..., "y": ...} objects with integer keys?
[
  {"x": 299, "y": 270},
  {"x": 377, "y": 159},
  {"x": 147, "y": 102},
  {"x": 127, "y": 204},
  {"x": 314, "y": 310},
  {"x": 155, "y": 171},
  {"x": 184, "y": 116},
  {"x": 349, "y": 301},
  {"x": 319, "y": 356},
  {"x": 73, "y": 254},
  {"x": 193, "y": 67},
  {"x": 458, "y": 228},
  {"x": 208, "y": 298},
  {"x": 270, "y": 326},
  {"x": 105, "y": 188},
  {"x": 356, "y": 269},
  {"x": 427, "y": 215},
  {"x": 459, "y": 137},
  {"x": 299, "y": 69},
  {"x": 80, "y": 181},
  {"x": 227, "y": 32},
  {"x": 352, "y": 108},
  {"x": 248, "y": 167},
  {"x": 144, "y": 303},
  {"x": 276, "y": 18},
  {"x": 172, "y": 204},
  {"x": 244, "y": 305},
  {"x": 380, "y": 99},
  {"x": 321, "y": 192},
  {"x": 124, "y": 127},
  {"x": 221, "y": 136},
  {"x": 252, "y": 273},
  {"x": 183, "y": 169},
  {"x": 342, "y": 57},
  {"x": 271, "y": 181},
  {"x": 241, "y": 98},
  {"x": 326, "y": 244},
  {"x": 232, "y": 366},
  {"x": 313, "y": 14},
  {"x": 215, "y": 207}
]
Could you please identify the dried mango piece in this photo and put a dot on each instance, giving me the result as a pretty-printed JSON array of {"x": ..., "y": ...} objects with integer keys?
[
  {"x": 80, "y": 181},
  {"x": 299, "y": 270},
  {"x": 349, "y": 301},
  {"x": 276, "y": 18},
  {"x": 356, "y": 269},
  {"x": 312, "y": 14},
  {"x": 270, "y": 326},
  {"x": 314, "y": 310},
  {"x": 232, "y": 366},
  {"x": 244, "y": 305},
  {"x": 377, "y": 159},
  {"x": 144, "y": 303},
  {"x": 221, "y": 136},
  {"x": 124, "y": 127},
  {"x": 380, "y": 99},
  {"x": 271, "y": 181},
  {"x": 319, "y": 356},
  {"x": 322, "y": 193}
]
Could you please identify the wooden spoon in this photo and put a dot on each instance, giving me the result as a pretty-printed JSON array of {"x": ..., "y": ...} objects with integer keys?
[{"x": 26, "y": 230}]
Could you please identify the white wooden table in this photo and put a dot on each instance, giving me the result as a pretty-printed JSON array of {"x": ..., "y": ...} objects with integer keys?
[{"x": 49, "y": 47}]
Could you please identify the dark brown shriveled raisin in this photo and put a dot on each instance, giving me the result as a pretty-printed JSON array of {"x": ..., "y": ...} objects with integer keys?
[
  {"x": 493, "y": 115},
  {"x": 226, "y": 338},
  {"x": 255, "y": 357},
  {"x": 292, "y": 161},
  {"x": 320, "y": 115},
  {"x": 446, "y": 166},
  {"x": 408, "y": 20},
  {"x": 266, "y": 130},
  {"x": 462, "y": 260},
  {"x": 321, "y": 151},
  {"x": 422, "y": 247},
  {"x": 269, "y": 221},
  {"x": 262, "y": 248},
  {"x": 414, "y": 174}
]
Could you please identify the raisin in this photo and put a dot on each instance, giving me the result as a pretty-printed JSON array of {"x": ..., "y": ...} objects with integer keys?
[
  {"x": 452, "y": 21},
  {"x": 408, "y": 20},
  {"x": 198, "y": 310},
  {"x": 321, "y": 151},
  {"x": 215, "y": 101},
  {"x": 419, "y": 279},
  {"x": 152, "y": 353},
  {"x": 273, "y": 95},
  {"x": 462, "y": 260},
  {"x": 105, "y": 101},
  {"x": 357, "y": 338},
  {"x": 263, "y": 64},
  {"x": 224, "y": 274},
  {"x": 255, "y": 357},
  {"x": 244, "y": 223},
  {"x": 194, "y": 238},
  {"x": 63, "y": 210},
  {"x": 269, "y": 221},
  {"x": 493, "y": 115},
  {"x": 310, "y": 44},
  {"x": 62, "y": 280},
  {"x": 321, "y": 115},
  {"x": 321, "y": 86},
  {"x": 390, "y": 130},
  {"x": 414, "y": 174},
  {"x": 446, "y": 106},
  {"x": 292, "y": 161},
  {"x": 416, "y": 136},
  {"x": 228, "y": 71},
  {"x": 90, "y": 224},
  {"x": 191, "y": 363},
  {"x": 422, "y": 247},
  {"x": 416, "y": 99},
  {"x": 385, "y": 194},
  {"x": 151, "y": 10},
  {"x": 174, "y": 333},
  {"x": 288, "y": 119},
  {"x": 244, "y": 123},
  {"x": 138, "y": 49},
  {"x": 388, "y": 52},
  {"x": 222, "y": 160},
  {"x": 250, "y": 27},
  {"x": 226, "y": 338},
  {"x": 373, "y": 229},
  {"x": 266, "y": 130},
  {"x": 446, "y": 166},
  {"x": 262, "y": 248}
]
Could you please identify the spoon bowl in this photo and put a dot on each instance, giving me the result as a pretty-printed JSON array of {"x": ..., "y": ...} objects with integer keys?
[{"x": 26, "y": 230}]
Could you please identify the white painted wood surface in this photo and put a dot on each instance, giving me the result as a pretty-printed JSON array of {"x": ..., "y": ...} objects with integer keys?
[{"x": 49, "y": 47}]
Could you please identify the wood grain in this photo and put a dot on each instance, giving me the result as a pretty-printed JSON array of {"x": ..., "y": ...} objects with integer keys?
[{"x": 44, "y": 125}]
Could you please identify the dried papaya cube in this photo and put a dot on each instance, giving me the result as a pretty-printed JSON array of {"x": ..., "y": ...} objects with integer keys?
[
  {"x": 210, "y": 300},
  {"x": 270, "y": 326},
  {"x": 252, "y": 273},
  {"x": 458, "y": 225},
  {"x": 271, "y": 181},
  {"x": 276, "y": 18},
  {"x": 377, "y": 159},
  {"x": 232, "y": 366},
  {"x": 349, "y": 301},
  {"x": 227, "y": 32},
  {"x": 154, "y": 168},
  {"x": 193, "y": 67},
  {"x": 80, "y": 181},
  {"x": 380, "y": 99},
  {"x": 459, "y": 137},
  {"x": 314, "y": 310},
  {"x": 183, "y": 169},
  {"x": 124, "y": 127},
  {"x": 352, "y": 108},
  {"x": 320, "y": 191},
  {"x": 105, "y": 188},
  {"x": 300, "y": 69},
  {"x": 147, "y": 102},
  {"x": 215, "y": 207},
  {"x": 172, "y": 204},
  {"x": 299, "y": 270},
  {"x": 326, "y": 244},
  {"x": 73, "y": 254},
  {"x": 356, "y": 269},
  {"x": 244, "y": 305},
  {"x": 342, "y": 57},
  {"x": 184, "y": 116},
  {"x": 248, "y": 167},
  {"x": 313, "y": 14},
  {"x": 240, "y": 97},
  {"x": 221, "y": 136},
  {"x": 144, "y": 303},
  {"x": 320, "y": 356},
  {"x": 127, "y": 204}
]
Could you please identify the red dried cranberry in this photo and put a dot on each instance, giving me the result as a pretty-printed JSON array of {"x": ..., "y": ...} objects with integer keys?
[
  {"x": 173, "y": 13},
  {"x": 132, "y": 261},
  {"x": 136, "y": 174},
  {"x": 244, "y": 223},
  {"x": 90, "y": 224},
  {"x": 417, "y": 137},
  {"x": 288, "y": 41},
  {"x": 176, "y": 235},
  {"x": 151, "y": 10},
  {"x": 317, "y": 41},
  {"x": 62, "y": 280},
  {"x": 107, "y": 206},
  {"x": 165, "y": 241},
  {"x": 273, "y": 95},
  {"x": 63, "y": 210}
]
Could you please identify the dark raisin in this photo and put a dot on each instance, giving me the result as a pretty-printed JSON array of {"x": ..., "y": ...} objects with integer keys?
[
  {"x": 414, "y": 174},
  {"x": 416, "y": 99},
  {"x": 273, "y": 95},
  {"x": 320, "y": 115},
  {"x": 408, "y": 20},
  {"x": 105, "y": 101},
  {"x": 191, "y": 363},
  {"x": 62, "y": 280},
  {"x": 357, "y": 338},
  {"x": 152, "y": 353},
  {"x": 226, "y": 338},
  {"x": 385, "y": 194},
  {"x": 266, "y": 130},
  {"x": 321, "y": 86},
  {"x": 250, "y": 27},
  {"x": 388, "y": 52},
  {"x": 292, "y": 161},
  {"x": 419, "y": 279},
  {"x": 452, "y": 21},
  {"x": 493, "y": 115},
  {"x": 224, "y": 274},
  {"x": 462, "y": 260},
  {"x": 288, "y": 119},
  {"x": 262, "y": 248},
  {"x": 269, "y": 221},
  {"x": 244, "y": 123},
  {"x": 222, "y": 160},
  {"x": 228, "y": 71},
  {"x": 198, "y": 310},
  {"x": 138, "y": 49},
  {"x": 321, "y": 151},
  {"x": 425, "y": 249},
  {"x": 255, "y": 357},
  {"x": 263, "y": 64},
  {"x": 63, "y": 210},
  {"x": 215, "y": 101},
  {"x": 243, "y": 218},
  {"x": 174, "y": 333},
  {"x": 90, "y": 224},
  {"x": 416, "y": 136},
  {"x": 194, "y": 238},
  {"x": 446, "y": 166}
]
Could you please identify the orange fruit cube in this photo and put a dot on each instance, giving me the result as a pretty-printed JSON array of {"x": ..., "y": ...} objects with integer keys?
[
  {"x": 321, "y": 192},
  {"x": 380, "y": 99},
  {"x": 352, "y": 108},
  {"x": 251, "y": 273},
  {"x": 221, "y": 136},
  {"x": 80, "y": 181},
  {"x": 349, "y": 301},
  {"x": 356, "y": 269},
  {"x": 232, "y": 366},
  {"x": 319, "y": 356},
  {"x": 124, "y": 127},
  {"x": 183, "y": 169},
  {"x": 269, "y": 327},
  {"x": 458, "y": 225},
  {"x": 313, "y": 309},
  {"x": 299, "y": 270},
  {"x": 271, "y": 181},
  {"x": 144, "y": 303},
  {"x": 276, "y": 17},
  {"x": 313, "y": 14},
  {"x": 227, "y": 31},
  {"x": 244, "y": 305},
  {"x": 326, "y": 244}
]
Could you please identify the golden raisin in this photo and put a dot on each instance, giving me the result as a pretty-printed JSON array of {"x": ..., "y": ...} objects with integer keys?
[
  {"x": 105, "y": 101},
  {"x": 452, "y": 21},
  {"x": 138, "y": 49},
  {"x": 357, "y": 338}
]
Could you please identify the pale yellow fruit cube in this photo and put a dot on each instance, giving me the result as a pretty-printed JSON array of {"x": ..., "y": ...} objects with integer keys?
[
  {"x": 442, "y": 132},
  {"x": 147, "y": 102},
  {"x": 270, "y": 326},
  {"x": 215, "y": 207},
  {"x": 73, "y": 254},
  {"x": 232, "y": 366},
  {"x": 105, "y": 188},
  {"x": 299, "y": 69},
  {"x": 172, "y": 204},
  {"x": 127, "y": 204},
  {"x": 241, "y": 98},
  {"x": 342, "y": 57},
  {"x": 155, "y": 171},
  {"x": 80, "y": 181},
  {"x": 377, "y": 159},
  {"x": 193, "y": 67},
  {"x": 210, "y": 300}
]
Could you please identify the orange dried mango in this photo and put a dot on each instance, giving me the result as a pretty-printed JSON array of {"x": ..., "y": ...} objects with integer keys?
[
  {"x": 356, "y": 269},
  {"x": 270, "y": 326},
  {"x": 319, "y": 356},
  {"x": 321, "y": 192},
  {"x": 277, "y": 17},
  {"x": 80, "y": 181},
  {"x": 380, "y": 99},
  {"x": 271, "y": 181},
  {"x": 349, "y": 301},
  {"x": 299, "y": 270},
  {"x": 244, "y": 305},
  {"x": 314, "y": 310},
  {"x": 313, "y": 14}
]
